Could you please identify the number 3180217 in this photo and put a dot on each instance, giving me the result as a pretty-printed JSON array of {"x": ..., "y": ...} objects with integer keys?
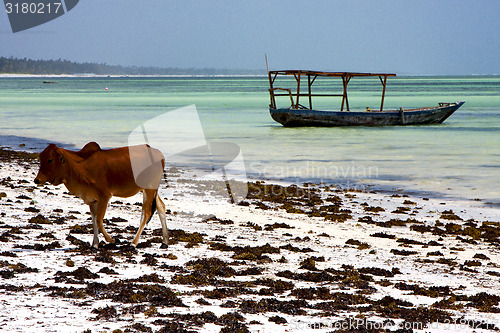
[{"x": 33, "y": 8}]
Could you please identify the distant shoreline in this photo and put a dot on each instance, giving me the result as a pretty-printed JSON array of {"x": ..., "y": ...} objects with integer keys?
[{"x": 14, "y": 75}]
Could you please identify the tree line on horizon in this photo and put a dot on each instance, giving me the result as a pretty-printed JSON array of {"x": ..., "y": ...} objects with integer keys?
[{"x": 28, "y": 66}]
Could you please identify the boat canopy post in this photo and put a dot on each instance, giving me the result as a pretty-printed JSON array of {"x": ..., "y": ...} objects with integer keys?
[
  {"x": 309, "y": 90},
  {"x": 297, "y": 77},
  {"x": 345, "y": 82},
  {"x": 384, "y": 82}
]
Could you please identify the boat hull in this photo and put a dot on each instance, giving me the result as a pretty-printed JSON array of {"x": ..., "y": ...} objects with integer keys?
[{"x": 304, "y": 117}]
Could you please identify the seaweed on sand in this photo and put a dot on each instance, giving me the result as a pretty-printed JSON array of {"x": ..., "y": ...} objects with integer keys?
[
  {"x": 177, "y": 235},
  {"x": 251, "y": 253},
  {"x": 204, "y": 272},
  {"x": 293, "y": 307},
  {"x": 125, "y": 291}
]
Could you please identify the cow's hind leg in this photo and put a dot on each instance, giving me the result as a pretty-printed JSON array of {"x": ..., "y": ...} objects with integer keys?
[
  {"x": 148, "y": 208},
  {"x": 163, "y": 218}
]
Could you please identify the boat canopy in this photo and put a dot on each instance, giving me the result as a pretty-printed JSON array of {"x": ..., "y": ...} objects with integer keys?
[{"x": 311, "y": 77}]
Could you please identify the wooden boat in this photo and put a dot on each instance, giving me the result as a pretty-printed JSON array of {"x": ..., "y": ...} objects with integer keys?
[{"x": 299, "y": 115}]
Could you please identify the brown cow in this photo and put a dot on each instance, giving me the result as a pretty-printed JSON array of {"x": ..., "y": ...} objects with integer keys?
[{"x": 95, "y": 175}]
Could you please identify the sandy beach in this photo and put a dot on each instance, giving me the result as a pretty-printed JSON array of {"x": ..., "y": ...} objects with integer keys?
[{"x": 286, "y": 259}]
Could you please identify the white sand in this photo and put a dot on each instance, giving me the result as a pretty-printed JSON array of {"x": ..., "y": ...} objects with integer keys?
[{"x": 33, "y": 310}]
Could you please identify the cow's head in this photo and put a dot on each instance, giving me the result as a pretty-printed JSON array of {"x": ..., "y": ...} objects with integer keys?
[{"x": 51, "y": 166}]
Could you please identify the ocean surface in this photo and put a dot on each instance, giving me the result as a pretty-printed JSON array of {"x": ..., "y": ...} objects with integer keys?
[{"x": 458, "y": 159}]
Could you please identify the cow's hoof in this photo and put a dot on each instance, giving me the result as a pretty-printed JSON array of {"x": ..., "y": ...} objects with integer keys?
[{"x": 164, "y": 246}]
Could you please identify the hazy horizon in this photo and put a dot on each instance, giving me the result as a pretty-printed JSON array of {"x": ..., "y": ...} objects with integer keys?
[{"x": 428, "y": 37}]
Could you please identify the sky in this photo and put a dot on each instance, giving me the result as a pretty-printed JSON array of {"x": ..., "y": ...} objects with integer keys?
[{"x": 435, "y": 37}]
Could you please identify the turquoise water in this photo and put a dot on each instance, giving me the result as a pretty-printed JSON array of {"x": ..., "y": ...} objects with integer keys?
[{"x": 459, "y": 158}]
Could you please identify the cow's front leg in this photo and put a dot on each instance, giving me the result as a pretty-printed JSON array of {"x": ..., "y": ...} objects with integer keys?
[
  {"x": 93, "y": 212},
  {"x": 102, "y": 204}
]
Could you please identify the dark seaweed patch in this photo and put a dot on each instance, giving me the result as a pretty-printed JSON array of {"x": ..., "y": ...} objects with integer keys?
[
  {"x": 403, "y": 252},
  {"x": 320, "y": 276},
  {"x": 252, "y": 225},
  {"x": 271, "y": 227},
  {"x": 481, "y": 256},
  {"x": 359, "y": 244},
  {"x": 80, "y": 274},
  {"x": 374, "y": 209},
  {"x": 107, "y": 313},
  {"x": 401, "y": 210},
  {"x": 347, "y": 277},
  {"x": 320, "y": 293},
  {"x": 232, "y": 322},
  {"x": 177, "y": 235},
  {"x": 46, "y": 235},
  {"x": 218, "y": 220},
  {"x": 483, "y": 302},
  {"x": 149, "y": 259},
  {"x": 149, "y": 278},
  {"x": 204, "y": 271},
  {"x": 449, "y": 215},
  {"x": 129, "y": 292},
  {"x": 366, "y": 219},
  {"x": 292, "y": 248},
  {"x": 332, "y": 213},
  {"x": 379, "y": 271},
  {"x": 107, "y": 270},
  {"x": 383, "y": 235},
  {"x": 105, "y": 256},
  {"x": 81, "y": 229},
  {"x": 282, "y": 194},
  {"x": 246, "y": 252},
  {"x": 7, "y": 274},
  {"x": 250, "y": 271},
  {"x": 308, "y": 263},
  {"x": 39, "y": 219},
  {"x": 220, "y": 293},
  {"x": 472, "y": 263},
  {"x": 278, "y": 320},
  {"x": 141, "y": 328},
  {"x": 275, "y": 285},
  {"x": 433, "y": 291},
  {"x": 293, "y": 307},
  {"x": 172, "y": 326},
  {"x": 8, "y": 254},
  {"x": 487, "y": 231},
  {"x": 418, "y": 316},
  {"x": 407, "y": 241}
]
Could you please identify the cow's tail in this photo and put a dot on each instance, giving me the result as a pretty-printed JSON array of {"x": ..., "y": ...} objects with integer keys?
[{"x": 153, "y": 208}]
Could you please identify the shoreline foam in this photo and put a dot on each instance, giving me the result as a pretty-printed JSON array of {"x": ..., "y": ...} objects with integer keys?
[{"x": 295, "y": 267}]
